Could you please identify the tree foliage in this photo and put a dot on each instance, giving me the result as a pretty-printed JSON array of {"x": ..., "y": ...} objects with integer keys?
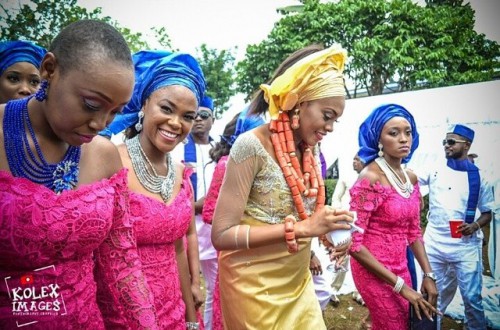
[
  {"x": 41, "y": 20},
  {"x": 392, "y": 44},
  {"x": 218, "y": 68}
]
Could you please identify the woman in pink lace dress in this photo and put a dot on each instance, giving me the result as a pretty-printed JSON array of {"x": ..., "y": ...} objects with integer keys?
[
  {"x": 386, "y": 198},
  {"x": 159, "y": 116},
  {"x": 63, "y": 191}
]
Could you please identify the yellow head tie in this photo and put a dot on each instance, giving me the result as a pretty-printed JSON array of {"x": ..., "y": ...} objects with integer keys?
[{"x": 314, "y": 77}]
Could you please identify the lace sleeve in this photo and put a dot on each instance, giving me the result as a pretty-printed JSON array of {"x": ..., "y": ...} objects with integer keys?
[
  {"x": 120, "y": 269},
  {"x": 365, "y": 199},
  {"x": 244, "y": 162},
  {"x": 213, "y": 191}
]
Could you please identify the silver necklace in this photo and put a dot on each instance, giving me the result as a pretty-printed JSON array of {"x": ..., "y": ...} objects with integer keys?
[
  {"x": 403, "y": 188},
  {"x": 153, "y": 182}
]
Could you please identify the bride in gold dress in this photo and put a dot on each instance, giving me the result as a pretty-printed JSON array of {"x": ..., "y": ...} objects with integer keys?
[{"x": 272, "y": 200}]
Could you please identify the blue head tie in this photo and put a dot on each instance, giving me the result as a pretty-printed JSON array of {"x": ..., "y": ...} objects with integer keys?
[
  {"x": 371, "y": 128},
  {"x": 207, "y": 102},
  {"x": 155, "y": 69},
  {"x": 245, "y": 123},
  {"x": 12, "y": 52}
]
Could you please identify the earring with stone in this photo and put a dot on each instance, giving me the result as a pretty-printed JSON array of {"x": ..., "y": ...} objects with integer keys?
[
  {"x": 41, "y": 93},
  {"x": 138, "y": 125},
  {"x": 380, "y": 150},
  {"x": 295, "y": 120}
]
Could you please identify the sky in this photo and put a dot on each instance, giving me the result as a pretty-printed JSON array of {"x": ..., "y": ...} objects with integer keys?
[{"x": 221, "y": 24}]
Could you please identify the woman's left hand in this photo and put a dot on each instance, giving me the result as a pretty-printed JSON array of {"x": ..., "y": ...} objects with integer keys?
[
  {"x": 429, "y": 287},
  {"x": 423, "y": 308}
]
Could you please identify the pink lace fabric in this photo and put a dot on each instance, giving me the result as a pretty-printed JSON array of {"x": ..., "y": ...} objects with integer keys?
[
  {"x": 391, "y": 222},
  {"x": 208, "y": 213},
  {"x": 157, "y": 226},
  {"x": 58, "y": 239},
  {"x": 213, "y": 190}
]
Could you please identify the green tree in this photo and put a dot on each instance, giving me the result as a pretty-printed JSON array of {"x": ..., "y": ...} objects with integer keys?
[
  {"x": 218, "y": 68},
  {"x": 163, "y": 38},
  {"x": 41, "y": 20},
  {"x": 393, "y": 45}
]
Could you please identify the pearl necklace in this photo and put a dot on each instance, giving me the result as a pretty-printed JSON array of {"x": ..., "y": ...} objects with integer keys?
[
  {"x": 24, "y": 163},
  {"x": 403, "y": 188},
  {"x": 153, "y": 182}
]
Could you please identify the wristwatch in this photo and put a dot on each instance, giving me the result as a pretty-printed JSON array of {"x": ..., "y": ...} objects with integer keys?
[{"x": 430, "y": 275}]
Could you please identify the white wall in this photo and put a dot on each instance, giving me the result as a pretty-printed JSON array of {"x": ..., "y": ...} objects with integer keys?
[{"x": 475, "y": 105}]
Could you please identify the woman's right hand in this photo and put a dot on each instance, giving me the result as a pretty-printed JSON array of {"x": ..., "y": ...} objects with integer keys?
[{"x": 326, "y": 220}]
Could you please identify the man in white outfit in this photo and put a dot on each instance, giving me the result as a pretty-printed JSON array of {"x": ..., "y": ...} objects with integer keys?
[{"x": 457, "y": 191}]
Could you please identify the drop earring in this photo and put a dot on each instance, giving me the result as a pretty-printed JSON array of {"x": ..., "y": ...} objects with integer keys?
[
  {"x": 138, "y": 125},
  {"x": 41, "y": 93},
  {"x": 295, "y": 120},
  {"x": 380, "y": 150}
]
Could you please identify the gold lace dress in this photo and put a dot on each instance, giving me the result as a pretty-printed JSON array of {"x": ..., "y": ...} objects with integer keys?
[{"x": 264, "y": 287}]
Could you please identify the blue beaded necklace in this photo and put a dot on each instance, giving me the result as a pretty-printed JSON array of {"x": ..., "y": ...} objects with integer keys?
[{"x": 23, "y": 162}]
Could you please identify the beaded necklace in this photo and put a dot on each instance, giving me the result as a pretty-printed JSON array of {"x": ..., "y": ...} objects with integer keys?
[
  {"x": 153, "y": 182},
  {"x": 23, "y": 162},
  {"x": 403, "y": 188},
  {"x": 307, "y": 181}
]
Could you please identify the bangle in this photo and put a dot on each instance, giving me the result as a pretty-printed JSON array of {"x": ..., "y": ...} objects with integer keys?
[
  {"x": 312, "y": 254},
  {"x": 478, "y": 226},
  {"x": 192, "y": 325},
  {"x": 399, "y": 285},
  {"x": 236, "y": 236},
  {"x": 291, "y": 242},
  {"x": 248, "y": 237}
]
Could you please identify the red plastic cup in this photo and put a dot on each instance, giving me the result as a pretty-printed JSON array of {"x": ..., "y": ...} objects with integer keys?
[{"x": 454, "y": 223}]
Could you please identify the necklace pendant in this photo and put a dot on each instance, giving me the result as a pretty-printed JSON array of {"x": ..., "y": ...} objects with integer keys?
[
  {"x": 65, "y": 176},
  {"x": 166, "y": 189},
  {"x": 145, "y": 171}
]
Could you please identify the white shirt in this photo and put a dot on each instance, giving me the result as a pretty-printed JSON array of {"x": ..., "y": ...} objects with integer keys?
[{"x": 448, "y": 196}]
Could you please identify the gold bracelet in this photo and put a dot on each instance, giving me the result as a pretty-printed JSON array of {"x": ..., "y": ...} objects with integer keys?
[{"x": 478, "y": 226}]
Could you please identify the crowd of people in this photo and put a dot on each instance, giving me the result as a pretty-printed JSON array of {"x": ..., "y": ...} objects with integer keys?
[{"x": 97, "y": 235}]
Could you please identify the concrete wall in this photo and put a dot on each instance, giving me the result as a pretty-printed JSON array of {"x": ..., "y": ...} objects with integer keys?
[{"x": 475, "y": 105}]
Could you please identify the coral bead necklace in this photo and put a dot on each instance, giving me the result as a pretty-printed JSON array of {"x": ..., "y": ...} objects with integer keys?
[{"x": 306, "y": 181}]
